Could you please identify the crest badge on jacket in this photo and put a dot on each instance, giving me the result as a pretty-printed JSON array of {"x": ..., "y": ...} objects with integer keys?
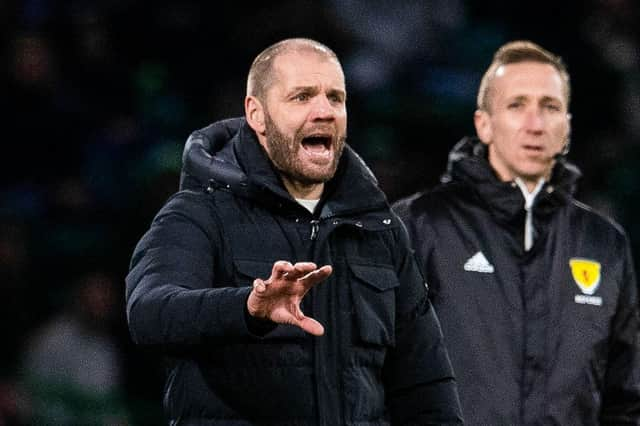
[{"x": 586, "y": 274}]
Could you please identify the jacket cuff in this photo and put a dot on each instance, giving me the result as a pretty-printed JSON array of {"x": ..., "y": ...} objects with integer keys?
[
  {"x": 257, "y": 327},
  {"x": 237, "y": 319}
]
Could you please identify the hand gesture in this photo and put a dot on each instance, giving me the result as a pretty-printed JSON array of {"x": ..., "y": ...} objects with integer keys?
[{"x": 278, "y": 298}]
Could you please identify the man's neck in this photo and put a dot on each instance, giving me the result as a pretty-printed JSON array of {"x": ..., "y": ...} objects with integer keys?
[{"x": 299, "y": 190}]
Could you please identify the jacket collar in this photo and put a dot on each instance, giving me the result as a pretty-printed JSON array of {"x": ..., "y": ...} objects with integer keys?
[
  {"x": 227, "y": 155},
  {"x": 468, "y": 164}
]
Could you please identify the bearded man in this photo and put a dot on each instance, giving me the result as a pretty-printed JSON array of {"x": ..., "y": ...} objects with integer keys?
[{"x": 225, "y": 282}]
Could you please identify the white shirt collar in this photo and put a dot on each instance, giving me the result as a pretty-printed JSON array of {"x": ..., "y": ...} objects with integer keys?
[
  {"x": 308, "y": 204},
  {"x": 529, "y": 197}
]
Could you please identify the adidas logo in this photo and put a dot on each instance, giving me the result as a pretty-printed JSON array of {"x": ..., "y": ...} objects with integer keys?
[{"x": 478, "y": 263}]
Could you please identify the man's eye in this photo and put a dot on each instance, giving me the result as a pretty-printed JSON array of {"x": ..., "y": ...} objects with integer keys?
[
  {"x": 552, "y": 107},
  {"x": 301, "y": 97},
  {"x": 514, "y": 105},
  {"x": 336, "y": 98}
]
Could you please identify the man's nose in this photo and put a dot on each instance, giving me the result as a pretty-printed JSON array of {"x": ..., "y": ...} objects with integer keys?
[
  {"x": 535, "y": 120},
  {"x": 322, "y": 109}
]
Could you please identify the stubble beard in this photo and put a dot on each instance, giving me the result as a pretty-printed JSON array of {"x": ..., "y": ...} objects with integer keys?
[{"x": 284, "y": 153}]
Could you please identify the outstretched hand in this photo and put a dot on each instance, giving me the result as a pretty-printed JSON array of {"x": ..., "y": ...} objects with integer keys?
[{"x": 278, "y": 298}]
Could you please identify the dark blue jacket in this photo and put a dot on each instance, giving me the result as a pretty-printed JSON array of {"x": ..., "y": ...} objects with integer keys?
[
  {"x": 381, "y": 360},
  {"x": 547, "y": 336}
]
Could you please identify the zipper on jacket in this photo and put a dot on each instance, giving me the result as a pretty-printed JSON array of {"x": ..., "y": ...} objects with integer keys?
[{"x": 315, "y": 227}]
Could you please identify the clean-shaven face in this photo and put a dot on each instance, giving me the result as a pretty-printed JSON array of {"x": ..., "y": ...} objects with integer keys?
[{"x": 528, "y": 123}]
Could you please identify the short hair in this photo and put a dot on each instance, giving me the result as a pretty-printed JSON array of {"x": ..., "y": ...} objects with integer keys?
[
  {"x": 261, "y": 75},
  {"x": 515, "y": 52}
]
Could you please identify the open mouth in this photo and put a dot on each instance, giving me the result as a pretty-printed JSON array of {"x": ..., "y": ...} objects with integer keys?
[{"x": 317, "y": 143}]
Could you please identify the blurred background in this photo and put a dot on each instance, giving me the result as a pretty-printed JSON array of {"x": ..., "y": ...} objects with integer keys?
[{"x": 100, "y": 95}]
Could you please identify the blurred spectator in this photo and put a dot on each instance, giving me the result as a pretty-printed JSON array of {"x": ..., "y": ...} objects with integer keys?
[{"x": 72, "y": 366}]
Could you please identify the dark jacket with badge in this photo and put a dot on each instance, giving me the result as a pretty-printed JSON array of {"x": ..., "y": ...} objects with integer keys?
[
  {"x": 381, "y": 359},
  {"x": 547, "y": 336}
]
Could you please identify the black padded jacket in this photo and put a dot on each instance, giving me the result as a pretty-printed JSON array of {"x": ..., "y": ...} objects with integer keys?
[
  {"x": 547, "y": 336},
  {"x": 381, "y": 360}
]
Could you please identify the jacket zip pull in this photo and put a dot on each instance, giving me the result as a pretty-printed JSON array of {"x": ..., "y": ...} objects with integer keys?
[{"x": 315, "y": 227}]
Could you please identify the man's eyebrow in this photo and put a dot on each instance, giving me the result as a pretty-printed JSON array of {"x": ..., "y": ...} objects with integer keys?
[
  {"x": 517, "y": 98},
  {"x": 544, "y": 98},
  {"x": 551, "y": 99},
  {"x": 316, "y": 89},
  {"x": 310, "y": 88}
]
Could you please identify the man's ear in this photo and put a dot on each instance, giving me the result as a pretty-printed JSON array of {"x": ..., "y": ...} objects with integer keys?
[
  {"x": 254, "y": 113},
  {"x": 484, "y": 129}
]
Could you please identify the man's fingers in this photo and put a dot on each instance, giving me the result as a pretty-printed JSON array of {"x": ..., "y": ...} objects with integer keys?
[
  {"x": 317, "y": 275},
  {"x": 260, "y": 286},
  {"x": 281, "y": 268},
  {"x": 311, "y": 326},
  {"x": 306, "y": 273},
  {"x": 301, "y": 269}
]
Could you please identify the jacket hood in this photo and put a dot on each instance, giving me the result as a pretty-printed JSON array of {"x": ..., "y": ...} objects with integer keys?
[
  {"x": 226, "y": 155},
  {"x": 469, "y": 165},
  {"x": 203, "y": 160}
]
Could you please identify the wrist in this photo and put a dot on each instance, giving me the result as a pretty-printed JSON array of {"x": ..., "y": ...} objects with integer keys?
[{"x": 258, "y": 326}]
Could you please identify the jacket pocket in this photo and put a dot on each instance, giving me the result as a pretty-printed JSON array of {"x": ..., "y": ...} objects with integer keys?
[
  {"x": 245, "y": 271},
  {"x": 374, "y": 303}
]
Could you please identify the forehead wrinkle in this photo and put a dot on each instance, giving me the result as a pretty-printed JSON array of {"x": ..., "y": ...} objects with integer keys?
[{"x": 308, "y": 82}]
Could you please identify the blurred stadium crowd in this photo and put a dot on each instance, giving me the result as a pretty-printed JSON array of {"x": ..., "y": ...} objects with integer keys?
[{"x": 101, "y": 95}]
